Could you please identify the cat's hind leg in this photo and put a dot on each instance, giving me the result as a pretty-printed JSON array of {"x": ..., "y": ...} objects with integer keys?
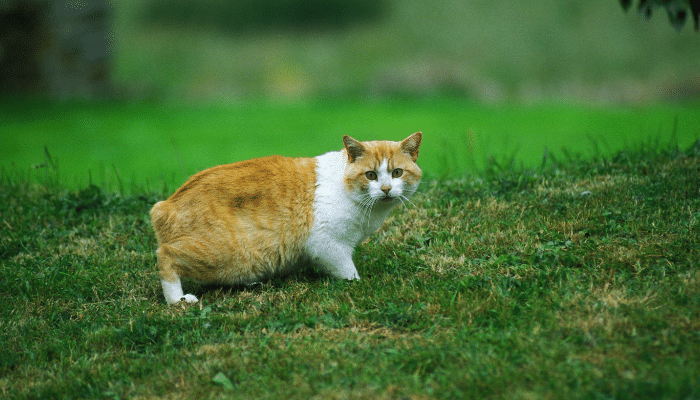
[
  {"x": 173, "y": 292},
  {"x": 169, "y": 278}
]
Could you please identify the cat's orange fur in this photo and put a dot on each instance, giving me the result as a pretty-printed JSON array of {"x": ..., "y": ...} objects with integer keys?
[
  {"x": 251, "y": 217},
  {"x": 240, "y": 222}
]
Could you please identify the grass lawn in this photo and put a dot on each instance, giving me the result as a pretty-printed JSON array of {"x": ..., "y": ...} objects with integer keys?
[
  {"x": 577, "y": 280},
  {"x": 131, "y": 148}
]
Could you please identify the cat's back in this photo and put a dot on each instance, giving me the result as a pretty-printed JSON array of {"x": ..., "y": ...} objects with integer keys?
[
  {"x": 257, "y": 191},
  {"x": 274, "y": 176}
]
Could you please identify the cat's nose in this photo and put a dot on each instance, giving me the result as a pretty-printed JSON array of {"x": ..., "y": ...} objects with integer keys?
[{"x": 386, "y": 189}]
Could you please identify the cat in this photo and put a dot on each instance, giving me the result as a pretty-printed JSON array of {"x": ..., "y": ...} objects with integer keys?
[{"x": 243, "y": 222}]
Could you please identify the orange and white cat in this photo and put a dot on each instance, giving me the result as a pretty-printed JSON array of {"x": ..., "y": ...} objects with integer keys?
[{"x": 242, "y": 222}]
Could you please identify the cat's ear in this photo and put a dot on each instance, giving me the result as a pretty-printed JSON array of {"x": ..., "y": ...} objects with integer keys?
[
  {"x": 411, "y": 144},
  {"x": 354, "y": 148}
]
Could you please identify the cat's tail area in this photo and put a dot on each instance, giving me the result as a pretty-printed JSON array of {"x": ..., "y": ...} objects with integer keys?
[
  {"x": 169, "y": 275},
  {"x": 158, "y": 213},
  {"x": 162, "y": 221},
  {"x": 157, "y": 217},
  {"x": 156, "y": 209}
]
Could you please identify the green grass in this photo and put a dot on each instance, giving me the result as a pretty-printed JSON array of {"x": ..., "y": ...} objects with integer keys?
[
  {"x": 577, "y": 280},
  {"x": 132, "y": 147}
]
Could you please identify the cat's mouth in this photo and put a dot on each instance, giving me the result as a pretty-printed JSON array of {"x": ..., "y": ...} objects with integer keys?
[{"x": 386, "y": 199}]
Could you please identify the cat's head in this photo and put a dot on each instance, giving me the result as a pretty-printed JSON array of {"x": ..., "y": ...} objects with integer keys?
[{"x": 382, "y": 171}]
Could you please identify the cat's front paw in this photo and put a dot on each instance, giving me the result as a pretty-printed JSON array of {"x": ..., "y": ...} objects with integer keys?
[{"x": 352, "y": 277}]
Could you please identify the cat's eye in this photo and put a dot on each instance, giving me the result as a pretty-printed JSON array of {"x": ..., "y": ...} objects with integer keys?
[
  {"x": 396, "y": 173},
  {"x": 371, "y": 175}
]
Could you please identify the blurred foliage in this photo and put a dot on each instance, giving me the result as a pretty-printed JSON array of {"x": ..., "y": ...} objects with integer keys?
[
  {"x": 677, "y": 10},
  {"x": 250, "y": 15},
  {"x": 487, "y": 51}
]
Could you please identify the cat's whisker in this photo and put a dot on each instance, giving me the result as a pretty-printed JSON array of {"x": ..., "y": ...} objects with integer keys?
[
  {"x": 366, "y": 197},
  {"x": 419, "y": 187},
  {"x": 403, "y": 203},
  {"x": 366, "y": 204},
  {"x": 363, "y": 207},
  {"x": 370, "y": 206},
  {"x": 402, "y": 198}
]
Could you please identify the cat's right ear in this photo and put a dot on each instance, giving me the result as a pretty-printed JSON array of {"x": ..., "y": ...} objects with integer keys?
[{"x": 354, "y": 148}]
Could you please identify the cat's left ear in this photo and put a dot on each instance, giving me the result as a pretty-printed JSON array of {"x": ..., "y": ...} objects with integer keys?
[{"x": 411, "y": 144}]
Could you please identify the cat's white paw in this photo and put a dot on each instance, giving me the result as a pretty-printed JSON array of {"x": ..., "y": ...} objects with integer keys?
[
  {"x": 347, "y": 272},
  {"x": 173, "y": 293},
  {"x": 351, "y": 276},
  {"x": 189, "y": 298}
]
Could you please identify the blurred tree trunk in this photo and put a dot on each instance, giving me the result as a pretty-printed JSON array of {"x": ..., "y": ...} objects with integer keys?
[{"x": 55, "y": 48}]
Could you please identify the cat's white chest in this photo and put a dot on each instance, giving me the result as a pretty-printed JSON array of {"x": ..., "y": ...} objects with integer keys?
[
  {"x": 334, "y": 208},
  {"x": 340, "y": 222}
]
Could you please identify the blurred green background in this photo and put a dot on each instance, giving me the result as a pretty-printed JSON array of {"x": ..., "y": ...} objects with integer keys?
[
  {"x": 584, "y": 51},
  {"x": 195, "y": 84}
]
